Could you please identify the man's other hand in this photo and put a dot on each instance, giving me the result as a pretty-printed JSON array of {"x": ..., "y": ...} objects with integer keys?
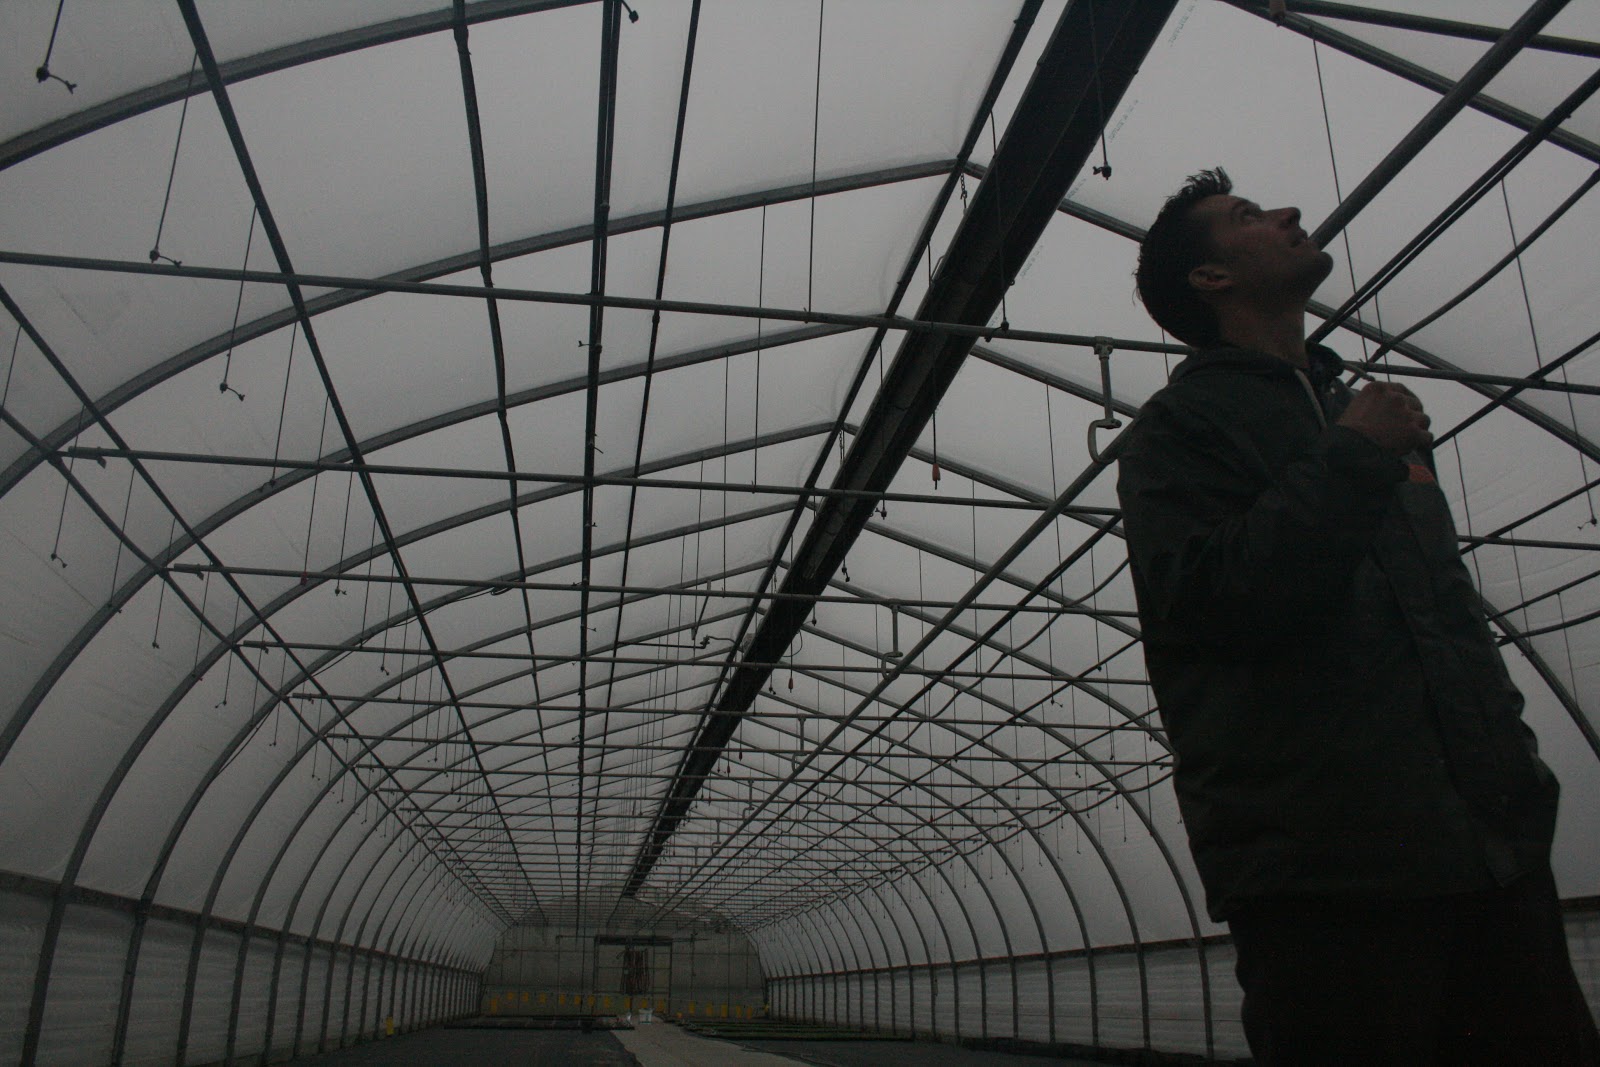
[{"x": 1390, "y": 416}]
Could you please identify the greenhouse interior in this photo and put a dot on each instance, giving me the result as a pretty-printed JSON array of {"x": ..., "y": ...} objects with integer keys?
[{"x": 583, "y": 513}]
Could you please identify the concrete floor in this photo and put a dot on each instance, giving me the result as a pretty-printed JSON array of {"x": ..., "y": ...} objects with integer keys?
[
  {"x": 483, "y": 1048},
  {"x": 665, "y": 1045},
  {"x": 906, "y": 1054},
  {"x": 655, "y": 1045}
]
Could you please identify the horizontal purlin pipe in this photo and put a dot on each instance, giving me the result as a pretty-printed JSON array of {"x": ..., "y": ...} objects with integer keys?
[
  {"x": 765, "y": 750},
  {"x": 548, "y": 477},
  {"x": 838, "y": 319},
  {"x": 548, "y": 296},
  {"x": 896, "y": 716},
  {"x": 703, "y": 661},
  {"x": 495, "y": 584},
  {"x": 1056, "y": 125}
]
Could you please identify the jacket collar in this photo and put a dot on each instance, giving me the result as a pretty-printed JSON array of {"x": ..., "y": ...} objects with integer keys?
[{"x": 1323, "y": 364}]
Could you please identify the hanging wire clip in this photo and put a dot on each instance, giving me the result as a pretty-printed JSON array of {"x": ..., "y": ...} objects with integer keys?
[{"x": 1103, "y": 349}]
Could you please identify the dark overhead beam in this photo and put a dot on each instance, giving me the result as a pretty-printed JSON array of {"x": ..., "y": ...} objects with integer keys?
[{"x": 1092, "y": 57}]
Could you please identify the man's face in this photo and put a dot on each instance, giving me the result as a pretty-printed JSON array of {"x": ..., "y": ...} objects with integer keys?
[{"x": 1259, "y": 255}]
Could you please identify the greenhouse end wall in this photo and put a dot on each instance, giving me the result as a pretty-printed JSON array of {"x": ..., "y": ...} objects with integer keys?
[{"x": 558, "y": 970}]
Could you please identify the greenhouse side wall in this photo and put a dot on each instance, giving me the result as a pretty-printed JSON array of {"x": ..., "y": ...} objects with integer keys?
[
  {"x": 1099, "y": 999},
  {"x": 282, "y": 996}
]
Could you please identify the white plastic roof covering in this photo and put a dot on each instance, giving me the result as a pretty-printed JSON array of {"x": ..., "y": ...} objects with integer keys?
[{"x": 314, "y": 742}]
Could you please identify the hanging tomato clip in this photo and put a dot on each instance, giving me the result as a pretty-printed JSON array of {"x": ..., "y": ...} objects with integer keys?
[{"x": 1103, "y": 349}]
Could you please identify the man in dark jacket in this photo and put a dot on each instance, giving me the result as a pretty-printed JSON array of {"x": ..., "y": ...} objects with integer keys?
[{"x": 1365, "y": 806}]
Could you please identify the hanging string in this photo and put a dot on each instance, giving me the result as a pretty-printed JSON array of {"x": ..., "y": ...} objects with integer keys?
[
  {"x": 1566, "y": 639},
  {"x": 1099, "y": 656},
  {"x": 116, "y": 567},
  {"x": 344, "y": 531},
  {"x": 1000, "y": 227},
  {"x": 66, "y": 488},
  {"x": 1104, "y": 170},
  {"x": 227, "y": 676},
  {"x": 316, "y": 483},
  {"x": 727, "y": 371},
  {"x": 699, "y": 530},
  {"x": 1338, "y": 195},
  {"x": 816, "y": 126},
  {"x": 238, "y": 303},
  {"x": 166, "y": 199},
  {"x": 1522, "y": 593},
  {"x": 1466, "y": 507},
  {"x": 283, "y": 405},
  {"x": 1015, "y": 665},
  {"x": 1055, "y": 491},
  {"x": 761, "y": 289},
  {"x": 277, "y": 695},
  {"x": 1538, "y": 356},
  {"x": 315, "y": 732},
  {"x": 883, "y": 505},
  {"x": 935, "y": 469},
  {"x": 43, "y": 74},
  {"x": 366, "y": 586},
  {"x": 388, "y": 613},
  {"x": 200, "y": 629},
  {"x": 15, "y": 342},
  {"x": 161, "y": 596}
]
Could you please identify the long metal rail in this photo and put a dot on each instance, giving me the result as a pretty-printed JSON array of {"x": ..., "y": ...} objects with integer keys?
[{"x": 1054, "y": 128}]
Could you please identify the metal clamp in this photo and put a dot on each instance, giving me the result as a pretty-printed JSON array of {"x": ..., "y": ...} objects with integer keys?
[{"x": 1103, "y": 349}]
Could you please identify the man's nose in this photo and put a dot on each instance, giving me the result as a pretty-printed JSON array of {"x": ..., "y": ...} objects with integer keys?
[{"x": 1289, "y": 216}]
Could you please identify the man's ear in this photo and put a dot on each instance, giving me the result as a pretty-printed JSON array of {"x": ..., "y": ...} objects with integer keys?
[{"x": 1211, "y": 278}]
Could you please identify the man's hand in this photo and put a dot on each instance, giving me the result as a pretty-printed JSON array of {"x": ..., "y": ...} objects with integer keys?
[{"x": 1390, "y": 416}]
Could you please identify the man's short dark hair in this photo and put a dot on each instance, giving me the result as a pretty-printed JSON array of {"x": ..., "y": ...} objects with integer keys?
[{"x": 1174, "y": 245}]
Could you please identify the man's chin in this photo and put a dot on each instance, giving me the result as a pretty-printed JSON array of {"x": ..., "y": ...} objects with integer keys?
[{"x": 1324, "y": 266}]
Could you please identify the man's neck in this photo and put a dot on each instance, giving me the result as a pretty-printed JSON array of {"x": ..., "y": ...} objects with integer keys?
[{"x": 1281, "y": 335}]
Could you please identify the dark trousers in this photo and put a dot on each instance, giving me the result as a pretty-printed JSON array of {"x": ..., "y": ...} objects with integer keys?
[{"x": 1480, "y": 978}]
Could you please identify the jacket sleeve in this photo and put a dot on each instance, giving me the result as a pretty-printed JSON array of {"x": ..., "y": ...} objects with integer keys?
[{"x": 1225, "y": 553}]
